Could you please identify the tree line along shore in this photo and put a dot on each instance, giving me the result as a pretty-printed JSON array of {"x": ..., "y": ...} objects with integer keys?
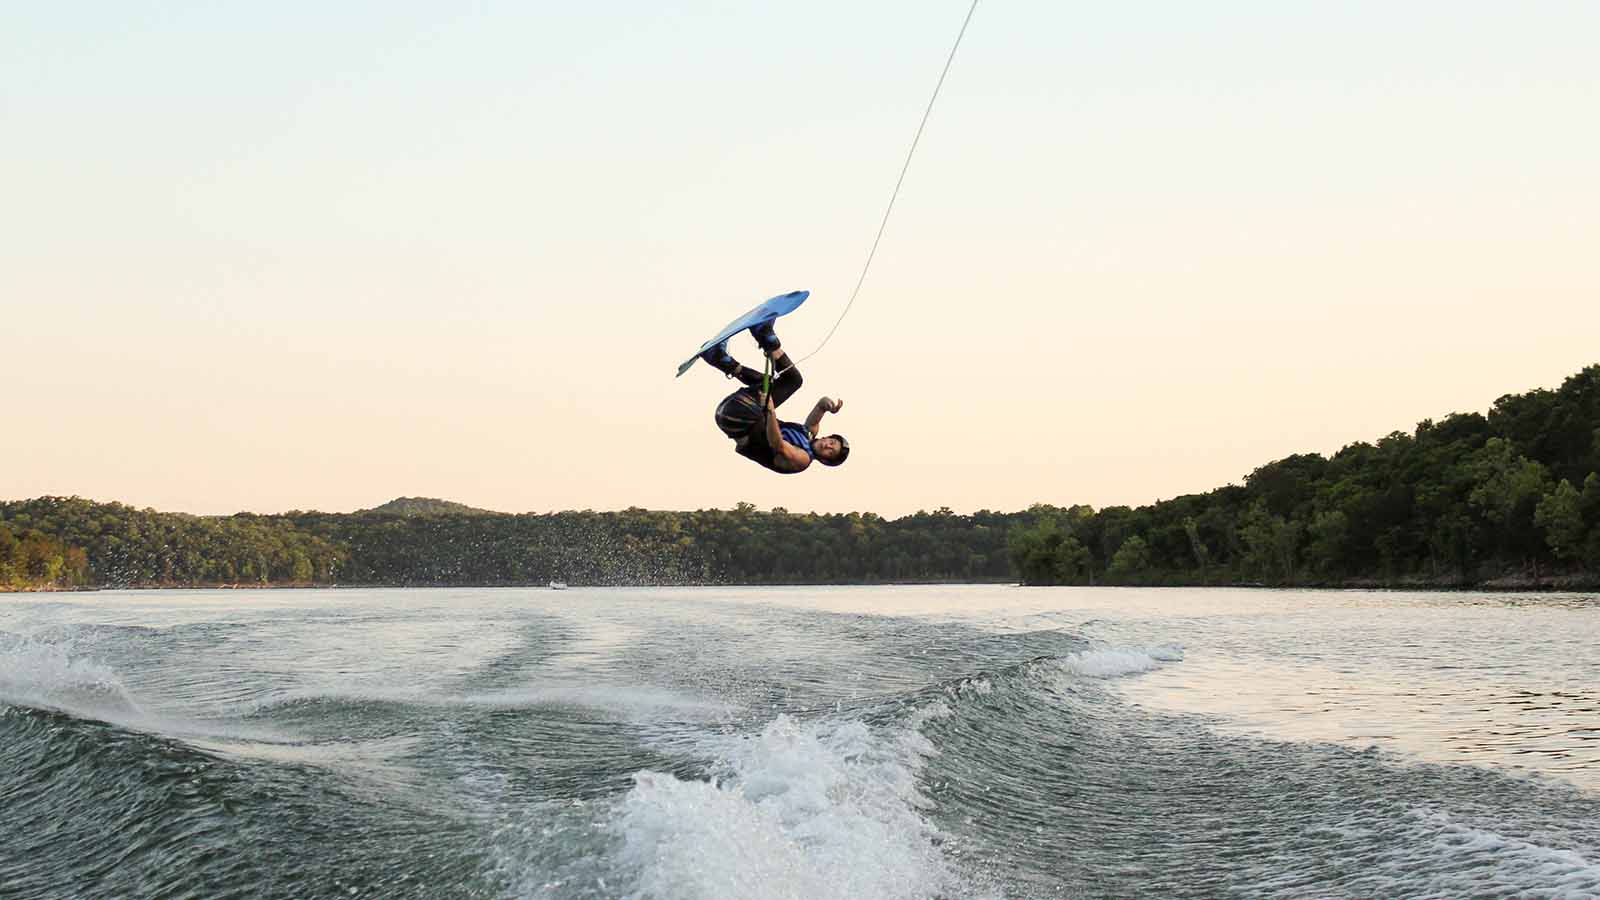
[{"x": 1507, "y": 499}]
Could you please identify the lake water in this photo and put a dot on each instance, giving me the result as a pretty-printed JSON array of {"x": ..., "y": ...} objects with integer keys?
[{"x": 893, "y": 742}]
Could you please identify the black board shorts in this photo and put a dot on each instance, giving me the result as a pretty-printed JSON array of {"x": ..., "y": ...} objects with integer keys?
[{"x": 741, "y": 412}]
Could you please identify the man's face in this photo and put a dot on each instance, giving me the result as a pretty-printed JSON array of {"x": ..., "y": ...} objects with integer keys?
[{"x": 827, "y": 448}]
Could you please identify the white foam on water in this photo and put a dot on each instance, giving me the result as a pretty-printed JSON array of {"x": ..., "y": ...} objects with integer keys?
[
  {"x": 1430, "y": 855},
  {"x": 57, "y": 675},
  {"x": 1118, "y": 662},
  {"x": 1469, "y": 861},
  {"x": 811, "y": 810},
  {"x": 51, "y": 676}
]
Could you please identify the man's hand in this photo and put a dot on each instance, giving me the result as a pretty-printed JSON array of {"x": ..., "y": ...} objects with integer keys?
[{"x": 824, "y": 405}]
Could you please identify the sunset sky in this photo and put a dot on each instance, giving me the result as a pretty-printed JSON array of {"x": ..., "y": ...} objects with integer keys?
[{"x": 317, "y": 256}]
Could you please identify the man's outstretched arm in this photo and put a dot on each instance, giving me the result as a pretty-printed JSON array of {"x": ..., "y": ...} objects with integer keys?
[
  {"x": 824, "y": 405},
  {"x": 785, "y": 455}
]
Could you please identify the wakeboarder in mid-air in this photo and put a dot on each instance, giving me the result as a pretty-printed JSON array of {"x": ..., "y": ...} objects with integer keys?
[{"x": 750, "y": 414}]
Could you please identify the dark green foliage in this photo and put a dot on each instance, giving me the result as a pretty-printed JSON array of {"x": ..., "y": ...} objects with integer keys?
[
  {"x": 127, "y": 546},
  {"x": 123, "y": 546},
  {"x": 1464, "y": 500},
  {"x": 33, "y": 560}
]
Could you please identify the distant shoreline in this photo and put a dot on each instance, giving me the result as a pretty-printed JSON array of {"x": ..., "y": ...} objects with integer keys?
[{"x": 1502, "y": 585}]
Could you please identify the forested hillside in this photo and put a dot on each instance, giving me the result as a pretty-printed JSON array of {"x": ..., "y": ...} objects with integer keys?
[
  {"x": 1512, "y": 498},
  {"x": 124, "y": 546}
]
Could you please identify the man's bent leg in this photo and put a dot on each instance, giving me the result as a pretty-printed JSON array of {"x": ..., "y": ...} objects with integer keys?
[{"x": 788, "y": 378}]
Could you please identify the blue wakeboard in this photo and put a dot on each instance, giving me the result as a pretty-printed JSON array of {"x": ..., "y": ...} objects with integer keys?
[{"x": 766, "y": 311}]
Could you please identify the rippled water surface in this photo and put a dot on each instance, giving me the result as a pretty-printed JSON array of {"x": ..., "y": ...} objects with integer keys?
[{"x": 799, "y": 742}]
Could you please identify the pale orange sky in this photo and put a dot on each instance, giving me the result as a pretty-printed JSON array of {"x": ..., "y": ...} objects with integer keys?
[{"x": 263, "y": 259}]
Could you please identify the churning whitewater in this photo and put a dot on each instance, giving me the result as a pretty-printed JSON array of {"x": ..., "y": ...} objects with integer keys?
[{"x": 798, "y": 743}]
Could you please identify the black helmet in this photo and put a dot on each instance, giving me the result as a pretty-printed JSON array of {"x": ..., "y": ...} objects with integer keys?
[{"x": 844, "y": 452}]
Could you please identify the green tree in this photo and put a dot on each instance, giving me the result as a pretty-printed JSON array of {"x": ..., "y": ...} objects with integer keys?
[
  {"x": 1559, "y": 514},
  {"x": 1033, "y": 551},
  {"x": 1589, "y": 505},
  {"x": 302, "y": 568},
  {"x": 1272, "y": 544},
  {"x": 1131, "y": 559},
  {"x": 10, "y": 558},
  {"x": 1327, "y": 535},
  {"x": 1074, "y": 565},
  {"x": 1508, "y": 487}
]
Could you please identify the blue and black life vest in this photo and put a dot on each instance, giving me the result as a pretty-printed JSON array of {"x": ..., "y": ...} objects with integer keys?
[{"x": 756, "y": 447}]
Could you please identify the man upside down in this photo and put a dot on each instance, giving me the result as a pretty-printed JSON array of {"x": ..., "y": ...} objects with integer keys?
[{"x": 750, "y": 417}]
